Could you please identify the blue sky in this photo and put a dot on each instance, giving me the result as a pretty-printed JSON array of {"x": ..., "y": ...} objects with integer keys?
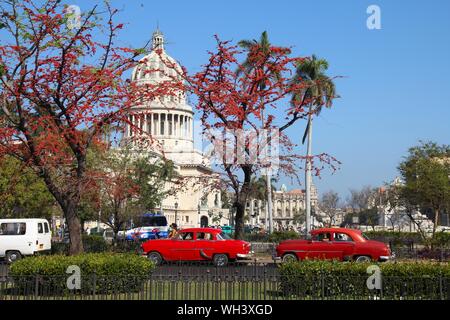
[{"x": 395, "y": 88}]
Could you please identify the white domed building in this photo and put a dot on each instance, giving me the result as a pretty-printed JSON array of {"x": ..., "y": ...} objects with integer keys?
[{"x": 170, "y": 122}]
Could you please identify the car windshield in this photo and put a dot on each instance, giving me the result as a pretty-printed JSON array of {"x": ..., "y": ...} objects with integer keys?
[
  {"x": 365, "y": 236},
  {"x": 223, "y": 236}
]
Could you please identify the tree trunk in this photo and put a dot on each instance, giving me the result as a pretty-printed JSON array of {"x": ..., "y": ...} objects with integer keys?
[
  {"x": 435, "y": 226},
  {"x": 241, "y": 202},
  {"x": 239, "y": 221},
  {"x": 82, "y": 226},
  {"x": 74, "y": 226}
]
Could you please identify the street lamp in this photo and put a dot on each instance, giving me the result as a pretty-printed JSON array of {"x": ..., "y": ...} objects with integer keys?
[{"x": 176, "y": 213}]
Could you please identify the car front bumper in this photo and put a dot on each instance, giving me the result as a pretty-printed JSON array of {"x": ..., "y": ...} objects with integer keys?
[
  {"x": 245, "y": 256},
  {"x": 386, "y": 258}
]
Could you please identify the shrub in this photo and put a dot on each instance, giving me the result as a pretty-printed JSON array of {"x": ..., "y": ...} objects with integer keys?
[
  {"x": 278, "y": 236},
  {"x": 442, "y": 240},
  {"x": 94, "y": 244},
  {"x": 395, "y": 238},
  {"x": 332, "y": 279},
  {"x": 126, "y": 246},
  {"x": 60, "y": 248},
  {"x": 102, "y": 272},
  {"x": 91, "y": 244}
]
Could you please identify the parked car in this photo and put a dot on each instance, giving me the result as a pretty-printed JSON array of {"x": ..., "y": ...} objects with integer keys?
[
  {"x": 197, "y": 244},
  {"x": 334, "y": 243},
  {"x": 23, "y": 237},
  {"x": 227, "y": 230}
]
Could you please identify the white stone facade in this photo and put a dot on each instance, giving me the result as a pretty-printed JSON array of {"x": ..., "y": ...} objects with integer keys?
[
  {"x": 286, "y": 205},
  {"x": 169, "y": 121}
]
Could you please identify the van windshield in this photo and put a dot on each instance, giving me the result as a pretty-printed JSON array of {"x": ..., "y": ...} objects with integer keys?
[{"x": 158, "y": 221}]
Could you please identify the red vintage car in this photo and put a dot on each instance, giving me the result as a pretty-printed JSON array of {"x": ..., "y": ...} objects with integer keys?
[
  {"x": 197, "y": 244},
  {"x": 334, "y": 243}
]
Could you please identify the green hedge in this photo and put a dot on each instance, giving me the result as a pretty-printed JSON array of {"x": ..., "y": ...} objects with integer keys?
[
  {"x": 397, "y": 238},
  {"x": 94, "y": 244},
  {"x": 102, "y": 272},
  {"x": 337, "y": 280},
  {"x": 442, "y": 240},
  {"x": 276, "y": 236},
  {"x": 91, "y": 244}
]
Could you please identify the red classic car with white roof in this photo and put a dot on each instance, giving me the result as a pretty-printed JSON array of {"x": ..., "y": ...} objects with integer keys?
[
  {"x": 334, "y": 243},
  {"x": 197, "y": 244}
]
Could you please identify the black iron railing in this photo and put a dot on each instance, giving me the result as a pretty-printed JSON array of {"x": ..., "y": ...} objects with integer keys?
[{"x": 215, "y": 284}]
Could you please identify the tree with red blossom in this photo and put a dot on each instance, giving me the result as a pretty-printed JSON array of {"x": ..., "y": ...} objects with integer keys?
[
  {"x": 231, "y": 98},
  {"x": 60, "y": 87}
]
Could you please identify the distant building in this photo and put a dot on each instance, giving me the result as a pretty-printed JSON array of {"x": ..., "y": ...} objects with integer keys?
[
  {"x": 288, "y": 208},
  {"x": 397, "y": 218}
]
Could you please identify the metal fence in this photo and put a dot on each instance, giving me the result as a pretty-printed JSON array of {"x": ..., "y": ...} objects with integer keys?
[
  {"x": 4, "y": 268},
  {"x": 437, "y": 254},
  {"x": 217, "y": 286}
]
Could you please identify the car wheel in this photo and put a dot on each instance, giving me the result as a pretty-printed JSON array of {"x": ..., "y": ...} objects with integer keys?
[
  {"x": 363, "y": 259},
  {"x": 220, "y": 260},
  {"x": 289, "y": 257},
  {"x": 155, "y": 257},
  {"x": 13, "y": 256}
]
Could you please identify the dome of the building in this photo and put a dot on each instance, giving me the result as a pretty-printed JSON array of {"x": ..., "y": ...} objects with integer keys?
[
  {"x": 157, "y": 67},
  {"x": 169, "y": 118}
]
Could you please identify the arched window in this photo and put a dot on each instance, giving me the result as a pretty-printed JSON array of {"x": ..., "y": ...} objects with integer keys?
[{"x": 204, "y": 201}]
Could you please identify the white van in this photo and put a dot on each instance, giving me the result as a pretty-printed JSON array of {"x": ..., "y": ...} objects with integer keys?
[{"x": 22, "y": 237}]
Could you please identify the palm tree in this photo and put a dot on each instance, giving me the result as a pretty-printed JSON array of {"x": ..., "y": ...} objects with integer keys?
[
  {"x": 319, "y": 91},
  {"x": 249, "y": 66}
]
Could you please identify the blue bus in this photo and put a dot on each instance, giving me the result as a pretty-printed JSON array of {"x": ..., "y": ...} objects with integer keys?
[{"x": 148, "y": 226}]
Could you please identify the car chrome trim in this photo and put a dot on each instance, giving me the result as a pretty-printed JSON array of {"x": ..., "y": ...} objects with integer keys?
[
  {"x": 204, "y": 255},
  {"x": 245, "y": 255}
]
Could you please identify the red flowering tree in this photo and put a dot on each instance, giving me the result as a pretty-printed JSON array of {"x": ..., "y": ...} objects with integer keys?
[
  {"x": 60, "y": 88},
  {"x": 245, "y": 113}
]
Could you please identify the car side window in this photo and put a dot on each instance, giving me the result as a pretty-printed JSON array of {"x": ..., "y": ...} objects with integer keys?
[
  {"x": 40, "y": 228},
  {"x": 188, "y": 236},
  {"x": 204, "y": 236},
  {"x": 339, "y": 237},
  {"x": 325, "y": 236}
]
